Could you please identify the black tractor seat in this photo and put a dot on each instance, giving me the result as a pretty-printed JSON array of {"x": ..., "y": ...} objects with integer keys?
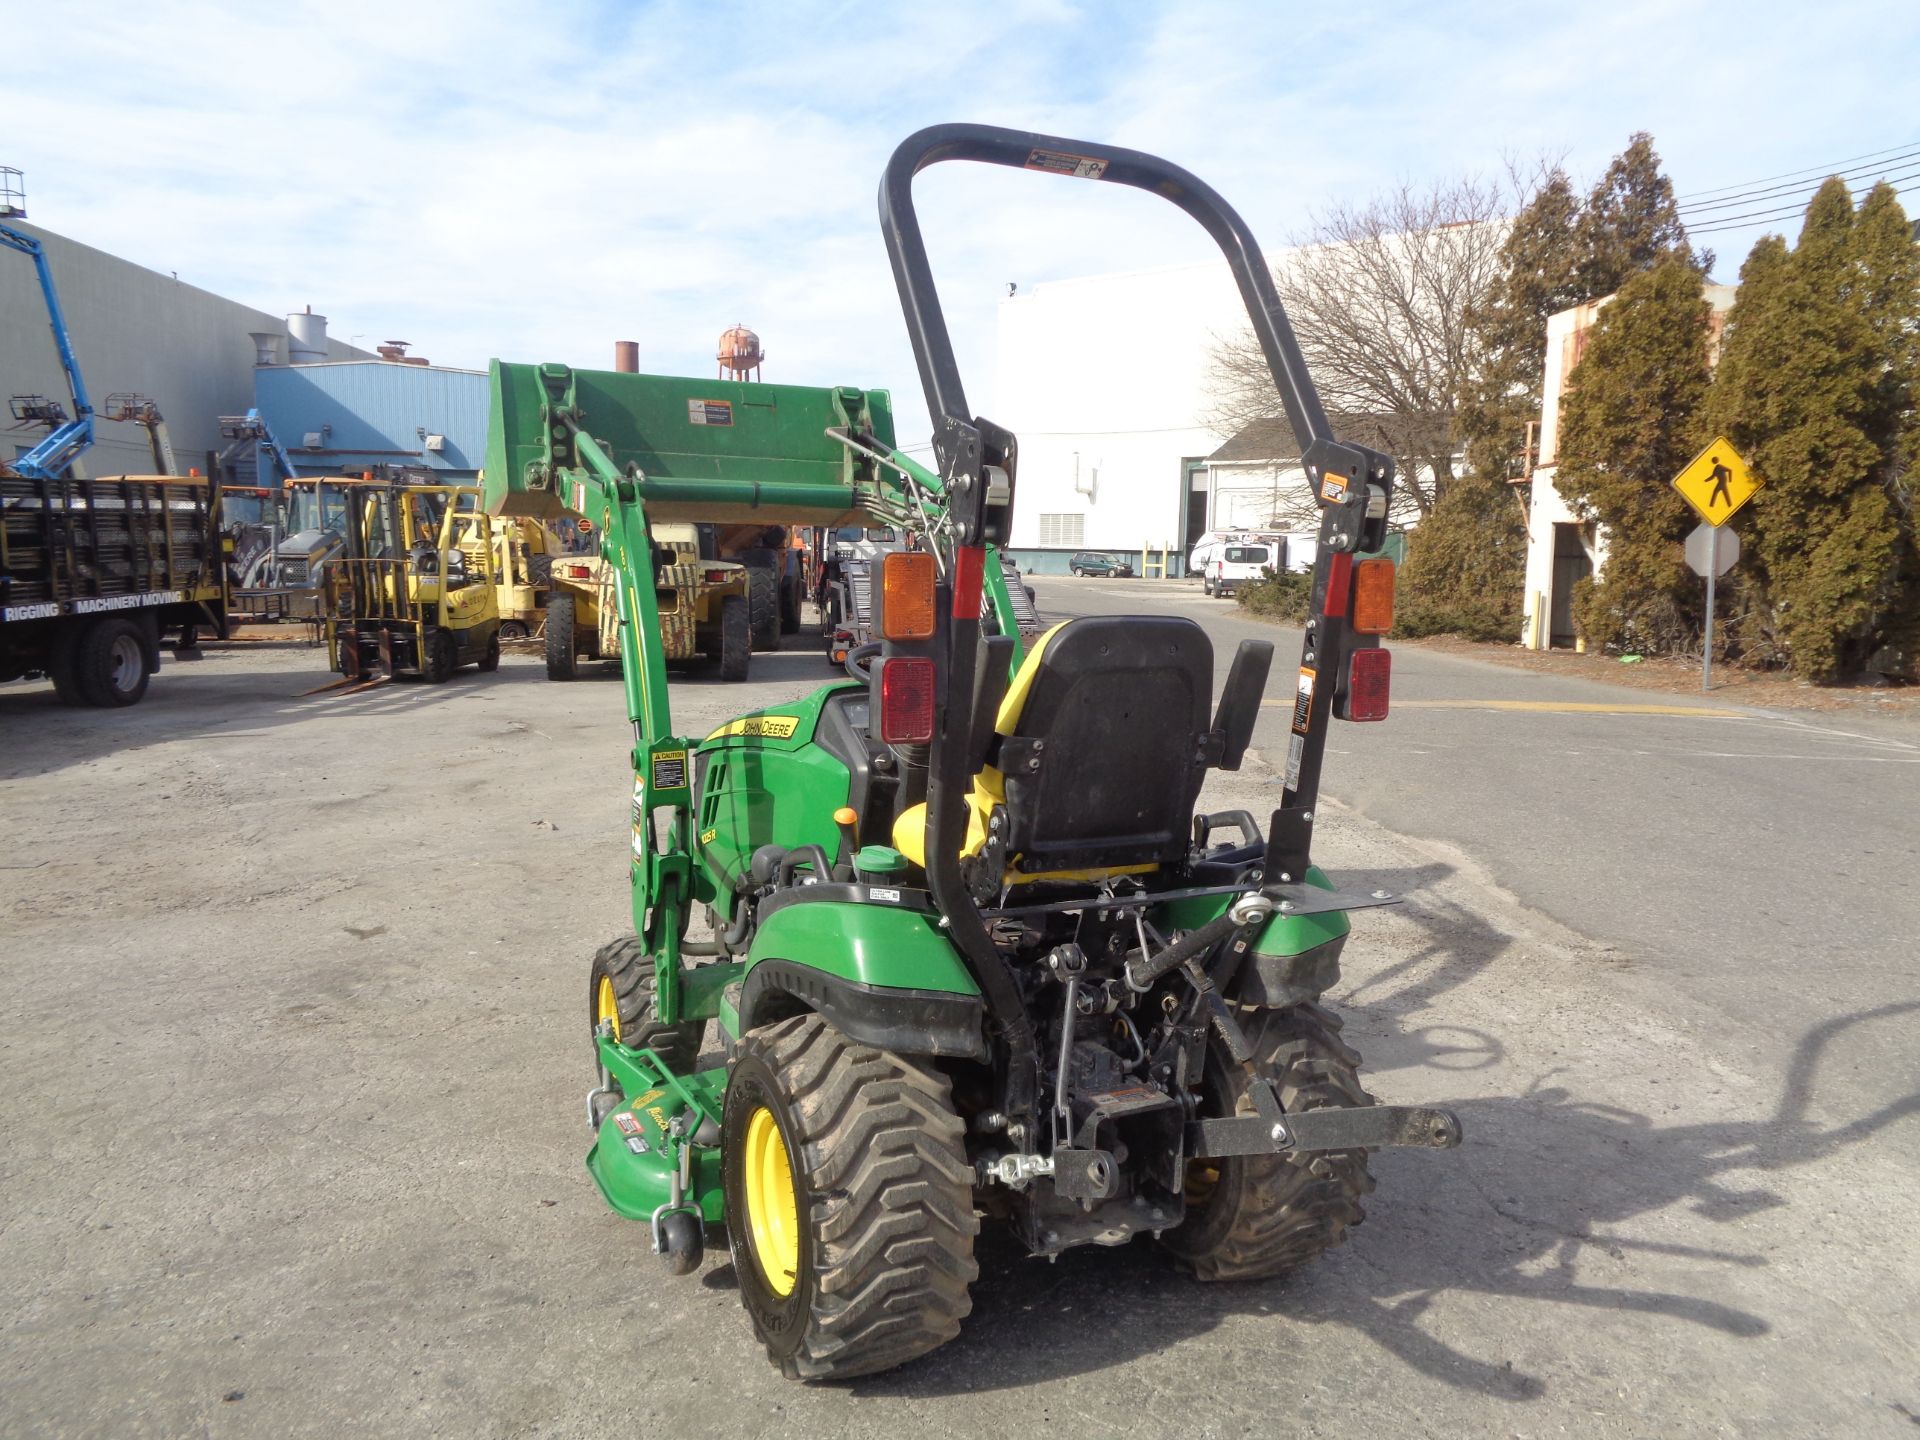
[{"x": 1099, "y": 751}]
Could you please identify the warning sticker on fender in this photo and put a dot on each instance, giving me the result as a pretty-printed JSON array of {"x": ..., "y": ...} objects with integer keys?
[
  {"x": 629, "y": 1124},
  {"x": 1058, "y": 162},
  {"x": 1303, "y": 701},
  {"x": 709, "y": 412}
]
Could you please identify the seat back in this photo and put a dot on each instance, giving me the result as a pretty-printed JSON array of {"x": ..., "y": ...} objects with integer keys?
[{"x": 1104, "y": 744}]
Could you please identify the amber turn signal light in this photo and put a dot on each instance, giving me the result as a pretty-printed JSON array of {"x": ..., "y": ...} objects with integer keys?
[
  {"x": 1373, "y": 596},
  {"x": 907, "y": 580}
]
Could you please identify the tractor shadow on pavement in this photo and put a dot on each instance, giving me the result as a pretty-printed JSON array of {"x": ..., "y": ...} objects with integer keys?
[{"x": 1544, "y": 1210}]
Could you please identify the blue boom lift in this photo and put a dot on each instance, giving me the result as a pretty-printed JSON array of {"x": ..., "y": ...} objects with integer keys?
[{"x": 68, "y": 439}]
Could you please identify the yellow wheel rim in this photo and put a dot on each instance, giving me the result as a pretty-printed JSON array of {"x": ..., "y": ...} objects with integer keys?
[
  {"x": 605, "y": 1006},
  {"x": 773, "y": 1219}
]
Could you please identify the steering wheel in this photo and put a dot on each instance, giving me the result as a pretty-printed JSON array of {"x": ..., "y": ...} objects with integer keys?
[{"x": 859, "y": 661}]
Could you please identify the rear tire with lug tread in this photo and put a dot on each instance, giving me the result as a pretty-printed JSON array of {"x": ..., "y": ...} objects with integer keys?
[
  {"x": 490, "y": 657},
  {"x": 620, "y": 988},
  {"x": 562, "y": 662},
  {"x": 736, "y": 638},
  {"x": 872, "y": 1234},
  {"x": 763, "y": 607},
  {"x": 1250, "y": 1217},
  {"x": 111, "y": 667}
]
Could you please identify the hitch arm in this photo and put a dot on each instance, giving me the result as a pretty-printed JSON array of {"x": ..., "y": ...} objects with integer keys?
[{"x": 1366, "y": 1127}]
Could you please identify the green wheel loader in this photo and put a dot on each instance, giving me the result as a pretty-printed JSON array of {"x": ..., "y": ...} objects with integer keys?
[{"x": 975, "y": 958}]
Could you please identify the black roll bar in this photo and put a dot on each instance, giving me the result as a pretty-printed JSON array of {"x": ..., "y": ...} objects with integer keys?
[
  {"x": 977, "y": 460},
  {"x": 1023, "y": 150}
]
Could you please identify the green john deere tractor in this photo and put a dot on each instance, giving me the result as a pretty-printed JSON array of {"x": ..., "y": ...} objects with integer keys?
[{"x": 974, "y": 955}]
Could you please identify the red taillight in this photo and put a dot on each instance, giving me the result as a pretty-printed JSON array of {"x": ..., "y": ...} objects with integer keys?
[
  {"x": 578, "y": 572},
  {"x": 906, "y": 700},
  {"x": 1369, "y": 678},
  {"x": 718, "y": 577}
]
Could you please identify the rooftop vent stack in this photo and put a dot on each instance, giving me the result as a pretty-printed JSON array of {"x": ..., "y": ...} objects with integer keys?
[
  {"x": 266, "y": 346},
  {"x": 626, "y": 357},
  {"x": 306, "y": 338}
]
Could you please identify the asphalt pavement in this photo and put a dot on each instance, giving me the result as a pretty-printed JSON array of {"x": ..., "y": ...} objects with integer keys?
[
  {"x": 1753, "y": 870},
  {"x": 294, "y": 1051}
]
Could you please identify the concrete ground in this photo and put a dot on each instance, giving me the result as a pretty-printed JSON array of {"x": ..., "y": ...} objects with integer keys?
[{"x": 293, "y": 1024}]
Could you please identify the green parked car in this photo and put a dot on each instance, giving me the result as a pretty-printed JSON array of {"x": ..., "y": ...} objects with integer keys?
[{"x": 1098, "y": 562}]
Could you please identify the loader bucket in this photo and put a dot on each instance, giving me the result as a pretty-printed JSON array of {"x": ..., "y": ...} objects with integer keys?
[{"x": 715, "y": 450}]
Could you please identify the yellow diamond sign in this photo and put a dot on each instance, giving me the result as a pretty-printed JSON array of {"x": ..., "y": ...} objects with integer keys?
[{"x": 1717, "y": 482}]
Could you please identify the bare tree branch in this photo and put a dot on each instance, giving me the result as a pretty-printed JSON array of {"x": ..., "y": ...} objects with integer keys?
[{"x": 1382, "y": 299}]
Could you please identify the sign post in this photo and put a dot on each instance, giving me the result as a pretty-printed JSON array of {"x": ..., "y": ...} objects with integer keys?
[
  {"x": 1711, "y": 551},
  {"x": 1716, "y": 483}
]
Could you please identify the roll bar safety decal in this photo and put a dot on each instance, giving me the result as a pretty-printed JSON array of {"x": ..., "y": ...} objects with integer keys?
[
  {"x": 1058, "y": 162},
  {"x": 1303, "y": 701}
]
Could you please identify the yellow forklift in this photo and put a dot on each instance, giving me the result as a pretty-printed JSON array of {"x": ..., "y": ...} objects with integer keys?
[{"x": 412, "y": 591}]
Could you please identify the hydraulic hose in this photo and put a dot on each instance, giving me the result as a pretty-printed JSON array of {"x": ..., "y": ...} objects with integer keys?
[{"x": 1142, "y": 973}]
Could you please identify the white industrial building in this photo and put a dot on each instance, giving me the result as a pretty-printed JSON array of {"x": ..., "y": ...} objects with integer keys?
[
  {"x": 1562, "y": 548},
  {"x": 139, "y": 331},
  {"x": 1106, "y": 382}
]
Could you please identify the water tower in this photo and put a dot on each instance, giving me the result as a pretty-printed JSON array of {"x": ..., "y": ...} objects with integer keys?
[{"x": 740, "y": 353}]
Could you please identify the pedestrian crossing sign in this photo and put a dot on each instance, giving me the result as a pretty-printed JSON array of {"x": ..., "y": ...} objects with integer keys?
[{"x": 1717, "y": 482}]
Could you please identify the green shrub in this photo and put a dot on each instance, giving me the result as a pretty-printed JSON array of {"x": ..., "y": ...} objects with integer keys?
[{"x": 1285, "y": 596}]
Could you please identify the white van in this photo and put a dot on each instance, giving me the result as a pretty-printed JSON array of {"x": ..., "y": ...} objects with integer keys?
[{"x": 1237, "y": 561}]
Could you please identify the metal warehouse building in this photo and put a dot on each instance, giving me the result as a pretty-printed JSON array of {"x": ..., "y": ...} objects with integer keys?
[
  {"x": 355, "y": 415},
  {"x": 138, "y": 331}
]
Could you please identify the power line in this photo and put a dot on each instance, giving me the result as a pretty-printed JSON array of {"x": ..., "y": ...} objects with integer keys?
[
  {"x": 1821, "y": 170},
  {"x": 1759, "y": 217},
  {"x": 1803, "y": 186}
]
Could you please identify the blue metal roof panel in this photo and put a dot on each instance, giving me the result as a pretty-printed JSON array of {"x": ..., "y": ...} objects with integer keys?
[{"x": 372, "y": 412}]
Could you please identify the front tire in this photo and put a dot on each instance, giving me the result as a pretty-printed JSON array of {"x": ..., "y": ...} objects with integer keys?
[
  {"x": 849, "y": 1201},
  {"x": 562, "y": 662},
  {"x": 442, "y": 657},
  {"x": 490, "y": 657},
  {"x": 620, "y": 989},
  {"x": 1250, "y": 1217}
]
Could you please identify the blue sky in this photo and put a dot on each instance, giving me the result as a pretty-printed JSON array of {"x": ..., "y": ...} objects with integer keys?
[{"x": 537, "y": 181}]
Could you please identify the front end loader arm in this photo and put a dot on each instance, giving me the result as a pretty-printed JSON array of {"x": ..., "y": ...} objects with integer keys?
[{"x": 624, "y": 450}]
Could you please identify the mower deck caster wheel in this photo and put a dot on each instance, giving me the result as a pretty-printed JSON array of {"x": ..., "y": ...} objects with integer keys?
[{"x": 682, "y": 1243}]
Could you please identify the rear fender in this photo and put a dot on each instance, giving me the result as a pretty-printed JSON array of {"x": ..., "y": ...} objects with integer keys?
[{"x": 880, "y": 971}]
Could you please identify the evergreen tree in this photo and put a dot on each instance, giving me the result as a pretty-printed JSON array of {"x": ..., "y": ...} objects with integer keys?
[
  {"x": 1807, "y": 389},
  {"x": 1560, "y": 252},
  {"x": 1627, "y": 426},
  {"x": 1538, "y": 278},
  {"x": 1887, "y": 293},
  {"x": 1629, "y": 223},
  {"x": 1466, "y": 565}
]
